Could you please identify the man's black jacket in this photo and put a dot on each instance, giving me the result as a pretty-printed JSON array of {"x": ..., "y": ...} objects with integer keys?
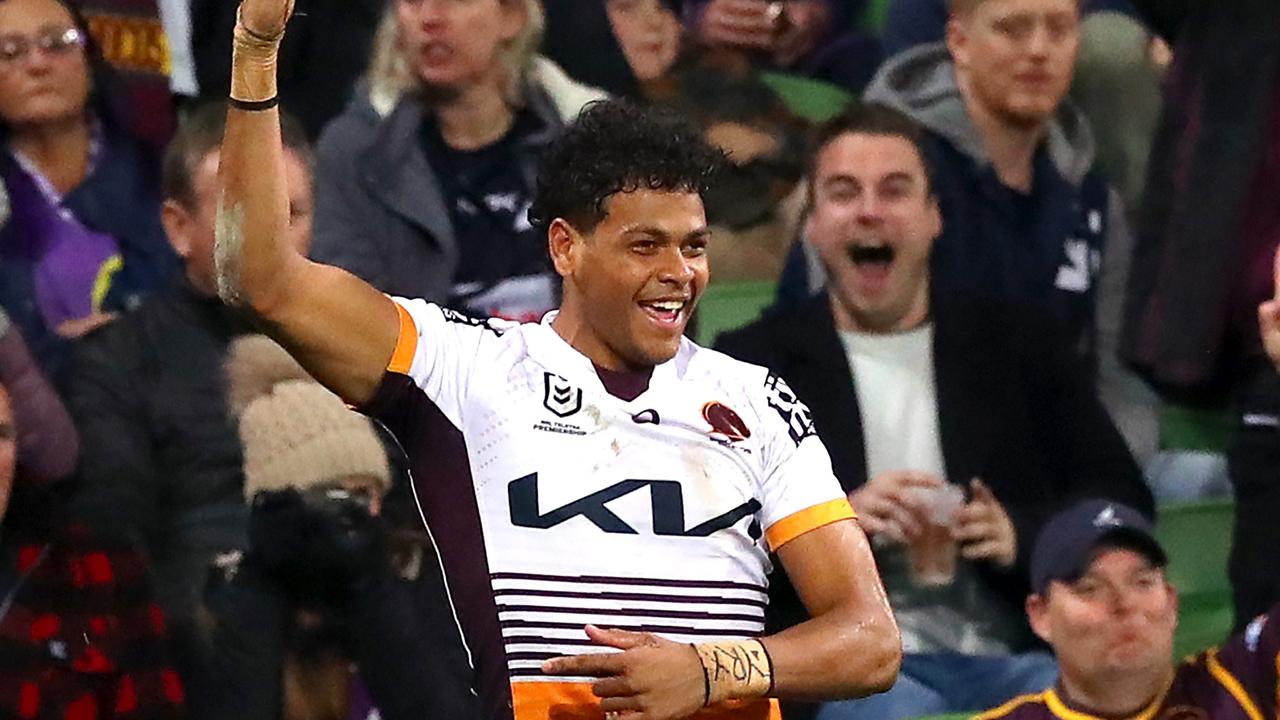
[
  {"x": 160, "y": 455},
  {"x": 1016, "y": 408}
]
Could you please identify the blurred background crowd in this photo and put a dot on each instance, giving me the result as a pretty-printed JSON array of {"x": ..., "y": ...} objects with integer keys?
[{"x": 190, "y": 527}]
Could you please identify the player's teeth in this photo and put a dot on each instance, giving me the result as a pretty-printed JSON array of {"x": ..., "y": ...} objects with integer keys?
[{"x": 671, "y": 306}]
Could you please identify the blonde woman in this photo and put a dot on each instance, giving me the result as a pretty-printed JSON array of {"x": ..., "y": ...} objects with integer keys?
[{"x": 423, "y": 183}]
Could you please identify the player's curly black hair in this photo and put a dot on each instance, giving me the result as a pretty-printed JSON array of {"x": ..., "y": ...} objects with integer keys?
[{"x": 615, "y": 146}]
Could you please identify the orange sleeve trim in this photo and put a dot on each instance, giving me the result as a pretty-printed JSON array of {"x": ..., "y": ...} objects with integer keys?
[
  {"x": 811, "y": 518},
  {"x": 406, "y": 344}
]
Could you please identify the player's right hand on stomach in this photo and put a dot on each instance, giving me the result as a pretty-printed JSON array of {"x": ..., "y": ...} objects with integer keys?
[
  {"x": 265, "y": 18},
  {"x": 887, "y": 506}
]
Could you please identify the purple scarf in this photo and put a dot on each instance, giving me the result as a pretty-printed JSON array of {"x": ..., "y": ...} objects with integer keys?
[{"x": 72, "y": 265}]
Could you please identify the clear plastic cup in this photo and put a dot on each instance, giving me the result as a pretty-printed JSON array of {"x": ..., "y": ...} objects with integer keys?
[{"x": 933, "y": 554}]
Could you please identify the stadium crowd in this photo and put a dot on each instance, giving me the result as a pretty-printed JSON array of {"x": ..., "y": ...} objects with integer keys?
[{"x": 1017, "y": 260}]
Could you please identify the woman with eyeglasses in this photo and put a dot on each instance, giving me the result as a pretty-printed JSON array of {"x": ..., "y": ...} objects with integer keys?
[{"x": 80, "y": 234}]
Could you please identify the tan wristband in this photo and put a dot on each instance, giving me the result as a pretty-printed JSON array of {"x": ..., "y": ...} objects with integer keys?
[
  {"x": 735, "y": 670},
  {"x": 253, "y": 64}
]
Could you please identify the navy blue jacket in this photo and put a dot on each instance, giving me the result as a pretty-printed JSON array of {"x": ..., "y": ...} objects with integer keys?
[
  {"x": 984, "y": 250},
  {"x": 1043, "y": 249}
]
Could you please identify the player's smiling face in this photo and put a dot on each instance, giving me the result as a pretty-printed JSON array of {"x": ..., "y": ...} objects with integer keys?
[{"x": 633, "y": 280}]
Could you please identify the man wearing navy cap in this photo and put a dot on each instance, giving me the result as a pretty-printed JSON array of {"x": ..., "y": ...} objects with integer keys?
[{"x": 1100, "y": 598}]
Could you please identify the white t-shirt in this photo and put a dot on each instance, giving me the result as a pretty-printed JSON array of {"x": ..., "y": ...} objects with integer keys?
[
  {"x": 898, "y": 398},
  {"x": 555, "y": 504}
]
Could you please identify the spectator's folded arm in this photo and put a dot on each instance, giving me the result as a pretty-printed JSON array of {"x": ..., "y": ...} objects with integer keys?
[{"x": 48, "y": 445}]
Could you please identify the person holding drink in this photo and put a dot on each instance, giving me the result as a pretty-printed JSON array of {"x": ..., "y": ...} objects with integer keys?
[{"x": 957, "y": 424}]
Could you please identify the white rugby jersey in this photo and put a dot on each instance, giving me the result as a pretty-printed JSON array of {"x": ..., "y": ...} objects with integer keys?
[{"x": 555, "y": 504}]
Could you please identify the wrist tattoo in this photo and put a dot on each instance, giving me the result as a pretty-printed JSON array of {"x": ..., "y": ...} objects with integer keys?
[{"x": 735, "y": 670}]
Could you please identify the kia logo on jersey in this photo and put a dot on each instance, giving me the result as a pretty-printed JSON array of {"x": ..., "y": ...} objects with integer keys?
[
  {"x": 666, "y": 505},
  {"x": 725, "y": 421},
  {"x": 561, "y": 398}
]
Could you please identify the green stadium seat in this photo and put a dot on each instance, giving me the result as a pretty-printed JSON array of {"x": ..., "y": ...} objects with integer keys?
[
  {"x": 730, "y": 305},
  {"x": 810, "y": 99},
  {"x": 1188, "y": 428},
  {"x": 873, "y": 18},
  {"x": 1197, "y": 538}
]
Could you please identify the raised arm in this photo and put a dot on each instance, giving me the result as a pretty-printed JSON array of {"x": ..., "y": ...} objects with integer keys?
[{"x": 340, "y": 329}]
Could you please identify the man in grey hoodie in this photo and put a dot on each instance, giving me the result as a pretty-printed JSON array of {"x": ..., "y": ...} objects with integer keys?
[{"x": 1028, "y": 216}]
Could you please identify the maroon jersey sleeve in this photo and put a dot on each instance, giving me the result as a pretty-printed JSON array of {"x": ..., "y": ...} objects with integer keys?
[{"x": 1250, "y": 660}]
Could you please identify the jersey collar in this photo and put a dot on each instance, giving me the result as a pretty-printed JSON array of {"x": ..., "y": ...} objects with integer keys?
[
  {"x": 1059, "y": 707},
  {"x": 558, "y": 356}
]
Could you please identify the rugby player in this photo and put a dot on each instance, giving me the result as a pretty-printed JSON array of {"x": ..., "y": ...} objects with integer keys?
[
  {"x": 605, "y": 495},
  {"x": 1101, "y": 600}
]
